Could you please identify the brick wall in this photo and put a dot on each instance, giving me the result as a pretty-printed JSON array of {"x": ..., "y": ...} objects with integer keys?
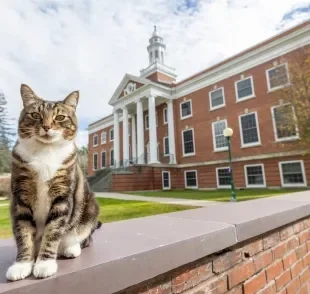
[
  {"x": 160, "y": 77},
  {"x": 276, "y": 262},
  {"x": 202, "y": 118},
  {"x": 150, "y": 178}
]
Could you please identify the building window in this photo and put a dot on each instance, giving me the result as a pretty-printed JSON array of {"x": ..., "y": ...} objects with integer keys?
[
  {"x": 111, "y": 134},
  {"x": 146, "y": 122},
  {"x": 217, "y": 98},
  {"x": 95, "y": 140},
  {"x": 284, "y": 122},
  {"x": 219, "y": 141},
  {"x": 112, "y": 157},
  {"x": 223, "y": 177},
  {"x": 95, "y": 161},
  {"x": 166, "y": 180},
  {"x": 292, "y": 173},
  {"x": 166, "y": 146},
  {"x": 188, "y": 142},
  {"x": 249, "y": 130},
  {"x": 103, "y": 137},
  {"x": 186, "y": 109},
  {"x": 244, "y": 89},
  {"x": 277, "y": 77},
  {"x": 156, "y": 54},
  {"x": 165, "y": 114},
  {"x": 254, "y": 175},
  {"x": 191, "y": 179},
  {"x": 103, "y": 159}
]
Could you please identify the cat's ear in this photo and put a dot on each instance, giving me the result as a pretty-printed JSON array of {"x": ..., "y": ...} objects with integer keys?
[
  {"x": 28, "y": 96},
  {"x": 72, "y": 99}
]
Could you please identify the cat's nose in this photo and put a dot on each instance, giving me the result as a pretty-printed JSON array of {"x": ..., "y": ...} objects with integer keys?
[{"x": 46, "y": 128}]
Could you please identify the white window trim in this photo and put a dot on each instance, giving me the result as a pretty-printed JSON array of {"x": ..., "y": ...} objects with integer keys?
[
  {"x": 210, "y": 99},
  {"x": 112, "y": 149},
  {"x": 165, "y": 109},
  {"x": 185, "y": 181},
  {"x": 112, "y": 129},
  {"x": 187, "y": 116},
  {"x": 246, "y": 176},
  {"x": 241, "y": 133},
  {"x": 103, "y": 142},
  {"x": 268, "y": 80},
  {"x": 213, "y": 136},
  {"x": 218, "y": 180},
  {"x": 162, "y": 179},
  {"x": 105, "y": 159},
  {"x": 95, "y": 153},
  {"x": 95, "y": 136},
  {"x": 291, "y": 138},
  {"x": 164, "y": 145},
  {"x": 183, "y": 149},
  {"x": 246, "y": 97},
  {"x": 302, "y": 170}
]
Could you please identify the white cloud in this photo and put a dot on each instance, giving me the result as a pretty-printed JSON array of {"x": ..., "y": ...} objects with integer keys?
[
  {"x": 82, "y": 138},
  {"x": 57, "y": 46}
]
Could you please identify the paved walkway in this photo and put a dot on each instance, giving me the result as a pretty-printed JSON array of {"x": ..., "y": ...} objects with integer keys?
[{"x": 156, "y": 199}]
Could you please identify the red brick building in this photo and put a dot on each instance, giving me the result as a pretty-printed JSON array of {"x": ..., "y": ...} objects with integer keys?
[{"x": 170, "y": 133}]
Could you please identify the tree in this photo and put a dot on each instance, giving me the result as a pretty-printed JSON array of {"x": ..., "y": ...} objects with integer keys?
[
  {"x": 6, "y": 134},
  {"x": 83, "y": 159},
  {"x": 295, "y": 115}
]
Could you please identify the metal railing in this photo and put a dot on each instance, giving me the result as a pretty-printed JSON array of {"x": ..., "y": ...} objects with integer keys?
[{"x": 143, "y": 159}]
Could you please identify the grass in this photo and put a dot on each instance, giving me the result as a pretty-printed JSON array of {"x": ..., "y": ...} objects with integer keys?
[
  {"x": 110, "y": 210},
  {"x": 217, "y": 195}
]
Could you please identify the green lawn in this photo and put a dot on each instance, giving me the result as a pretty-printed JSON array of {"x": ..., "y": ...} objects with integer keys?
[
  {"x": 110, "y": 210},
  {"x": 217, "y": 195}
]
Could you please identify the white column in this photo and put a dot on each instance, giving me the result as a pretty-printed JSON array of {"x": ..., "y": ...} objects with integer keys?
[
  {"x": 140, "y": 129},
  {"x": 152, "y": 130},
  {"x": 116, "y": 139},
  {"x": 125, "y": 136},
  {"x": 133, "y": 137},
  {"x": 171, "y": 132}
]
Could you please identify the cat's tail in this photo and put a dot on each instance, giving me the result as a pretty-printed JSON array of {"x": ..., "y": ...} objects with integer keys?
[{"x": 99, "y": 224}]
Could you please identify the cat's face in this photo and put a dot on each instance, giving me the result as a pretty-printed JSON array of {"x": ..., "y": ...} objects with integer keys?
[{"x": 47, "y": 121}]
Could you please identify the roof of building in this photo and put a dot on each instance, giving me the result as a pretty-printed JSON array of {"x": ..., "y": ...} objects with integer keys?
[
  {"x": 263, "y": 43},
  {"x": 100, "y": 120}
]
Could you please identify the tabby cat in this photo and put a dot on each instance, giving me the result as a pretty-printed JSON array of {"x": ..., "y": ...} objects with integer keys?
[{"x": 52, "y": 209}]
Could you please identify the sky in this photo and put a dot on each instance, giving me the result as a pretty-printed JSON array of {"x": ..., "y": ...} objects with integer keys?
[{"x": 58, "y": 46}]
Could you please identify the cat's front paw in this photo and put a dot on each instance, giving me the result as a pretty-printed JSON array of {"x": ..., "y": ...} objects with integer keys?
[
  {"x": 45, "y": 268},
  {"x": 72, "y": 251},
  {"x": 19, "y": 270}
]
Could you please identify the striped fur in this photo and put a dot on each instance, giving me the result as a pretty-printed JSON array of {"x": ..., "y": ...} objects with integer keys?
[{"x": 53, "y": 210}]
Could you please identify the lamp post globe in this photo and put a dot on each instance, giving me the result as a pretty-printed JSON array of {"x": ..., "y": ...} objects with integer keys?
[{"x": 228, "y": 132}]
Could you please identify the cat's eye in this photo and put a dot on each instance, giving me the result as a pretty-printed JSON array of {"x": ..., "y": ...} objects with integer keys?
[
  {"x": 60, "y": 117},
  {"x": 35, "y": 115}
]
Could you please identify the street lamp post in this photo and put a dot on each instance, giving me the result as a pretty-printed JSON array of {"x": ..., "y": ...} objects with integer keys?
[{"x": 228, "y": 132}]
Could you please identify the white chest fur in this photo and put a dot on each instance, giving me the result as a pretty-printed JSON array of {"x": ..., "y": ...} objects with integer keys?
[{"x": 45, "y": 160}]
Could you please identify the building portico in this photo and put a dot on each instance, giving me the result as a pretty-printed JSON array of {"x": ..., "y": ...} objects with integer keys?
[{"x": 133, "y": 116}]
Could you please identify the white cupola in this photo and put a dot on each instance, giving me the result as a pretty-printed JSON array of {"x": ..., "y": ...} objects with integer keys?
[{"x": 156, "y": 48}]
